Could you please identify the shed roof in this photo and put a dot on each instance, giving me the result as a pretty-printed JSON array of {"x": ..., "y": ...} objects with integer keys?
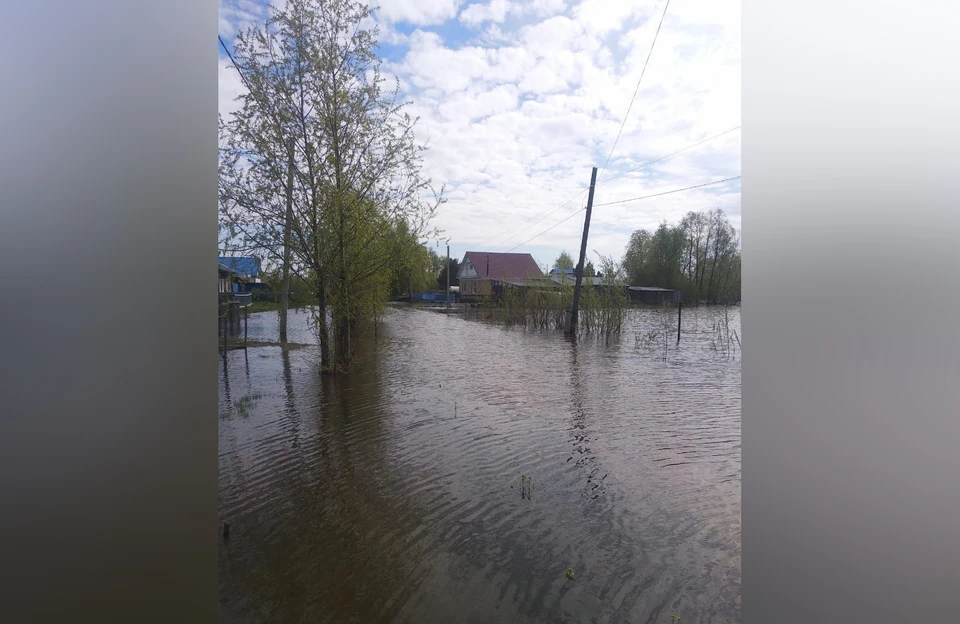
[
  {"x": 241, "y": 265},
  {"x": 652, "y": 289},
  {"x": 530, "y": 281},
  {"x": 586, "y": 281},
  {"x": 501, "y": 265}
]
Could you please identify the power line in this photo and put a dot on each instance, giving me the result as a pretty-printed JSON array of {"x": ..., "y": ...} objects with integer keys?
[
  {"x": 532, "y": 223},
  {"x": 650, "y": 162},
  {"x": 623, "y": 201},
  {"x": 236, "y": 66},
  {"x": 642, "y": 72},
  {"x": 512, "y": 231},
  {"x": 549, "y": 228}
]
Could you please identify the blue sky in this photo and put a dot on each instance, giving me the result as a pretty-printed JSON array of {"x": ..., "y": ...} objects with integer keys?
[{"x": 518, "y": 100}]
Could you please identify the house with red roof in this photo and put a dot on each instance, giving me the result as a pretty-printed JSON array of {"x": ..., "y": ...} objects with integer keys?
[{"x": 481, "y": 272}]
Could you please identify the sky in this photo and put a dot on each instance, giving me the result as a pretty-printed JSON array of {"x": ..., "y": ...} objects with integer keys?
[{"x": 517, "y": 100}]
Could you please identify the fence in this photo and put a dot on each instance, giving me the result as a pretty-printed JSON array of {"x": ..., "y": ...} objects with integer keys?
[
  {"x": 232, "y": 307},
  {"x": 451, "y": 297}
]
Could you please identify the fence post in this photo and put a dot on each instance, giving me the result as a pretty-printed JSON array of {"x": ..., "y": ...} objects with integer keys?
[{"x": 679, "y": 313}]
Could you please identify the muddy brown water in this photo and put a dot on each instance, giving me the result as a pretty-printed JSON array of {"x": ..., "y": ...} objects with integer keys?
[{"x": 461, "y": 469}]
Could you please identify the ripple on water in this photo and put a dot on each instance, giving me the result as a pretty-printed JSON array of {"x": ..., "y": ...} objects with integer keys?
[{"x": 396, "y": 494}]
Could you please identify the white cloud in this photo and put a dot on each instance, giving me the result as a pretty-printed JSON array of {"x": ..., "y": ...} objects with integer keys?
[
  {"x": 517, "y": 115},
  {"x": 498, "y": 11},
  {"x": 602, "y": 16},
  {"x": 544, "y": 8},
  {"x": 230, "y": 86},
  {"x": 418, "y": 12},
  {"x": 238, "y": 15},
  {"x": 493, "y": 11},
  {"x": 554, "y": 34}
]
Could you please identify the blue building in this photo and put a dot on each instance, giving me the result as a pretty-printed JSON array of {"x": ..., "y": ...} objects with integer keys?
[{"x": 244, "y": 272}]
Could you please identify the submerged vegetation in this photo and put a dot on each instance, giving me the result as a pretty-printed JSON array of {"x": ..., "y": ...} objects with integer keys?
[
  {"x": 526, "y": 486},
  {"x": 602, "y": 308},
  {"x": 725, "y": 341},
  {"x": 241, "y": 407}
]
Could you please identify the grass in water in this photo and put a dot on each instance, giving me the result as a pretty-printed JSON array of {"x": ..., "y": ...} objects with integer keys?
[
  {"x": 643, "y": 340},
  {"x": 241, "y": 406},
  {"x": 725, "y": 341},
  {"x": 526, "y": 486}
]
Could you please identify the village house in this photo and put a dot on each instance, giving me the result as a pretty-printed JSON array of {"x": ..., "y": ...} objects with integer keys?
[
  {"x": 568, "y": 277},
  {"x": 224, "y": 279},
  {"x": 243, "y": 271},
  {"x": 483, "y": 273}
]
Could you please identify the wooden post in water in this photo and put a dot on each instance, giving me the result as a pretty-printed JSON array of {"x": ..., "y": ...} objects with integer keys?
[
  {"x": 246, "y": 313},
  {"x": 679, "y": 312},
  {"x": 572, "y": 317},
  {"x": 288, "y": 220}
]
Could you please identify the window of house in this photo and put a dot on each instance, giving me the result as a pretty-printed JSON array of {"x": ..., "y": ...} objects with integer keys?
[{"x": 474, "y": 288}]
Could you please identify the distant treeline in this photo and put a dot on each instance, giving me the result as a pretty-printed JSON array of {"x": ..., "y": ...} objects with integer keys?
[{"x": 700, "y": 256}]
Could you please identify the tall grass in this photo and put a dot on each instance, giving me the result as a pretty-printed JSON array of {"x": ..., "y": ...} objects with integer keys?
[
  {"x": 540, "y": 308},
  {"x": 241, "y": 407},
  {"x": 725, "y": 341},
  {"x": 658, "y": 339},
  {"x": 602, "y": 310}
]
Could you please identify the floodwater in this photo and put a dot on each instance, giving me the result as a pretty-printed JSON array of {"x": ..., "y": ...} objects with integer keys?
[{"x": 461, "y": 469}]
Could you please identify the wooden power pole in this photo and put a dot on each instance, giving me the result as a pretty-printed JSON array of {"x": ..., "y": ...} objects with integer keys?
[
  {"x": 448, "y": 276},
  {"x": 287, "y": 224},
  {"x": 572, "y": 316}
]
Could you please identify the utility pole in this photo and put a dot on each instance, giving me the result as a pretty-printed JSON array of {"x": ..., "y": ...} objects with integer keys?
[
  {"x": 288, "y": 221},
  {"x": 448, "y": 276},
  {"x": 572, "y": 316}
]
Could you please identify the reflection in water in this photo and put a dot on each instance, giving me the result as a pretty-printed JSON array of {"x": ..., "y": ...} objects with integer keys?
[{"x": 392, "y": 495}]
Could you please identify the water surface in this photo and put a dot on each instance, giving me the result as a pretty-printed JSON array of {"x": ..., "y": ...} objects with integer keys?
[{"x": 396, "y": 494}]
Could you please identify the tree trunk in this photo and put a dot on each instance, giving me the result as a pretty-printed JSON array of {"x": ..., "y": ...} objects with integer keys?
[
  {"x": 713, "y": 271},
  {"x": 285, "y": 282},
  {"x": 703, "y": 269},
  {"x": 343, "y": 344},
  {"x": 722, "y": 287},
  {"x": 322, "y": 327}
]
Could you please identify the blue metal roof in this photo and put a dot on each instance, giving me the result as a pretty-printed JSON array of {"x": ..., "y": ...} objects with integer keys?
[
  {"x": 247, "y": 267},
  {"x": 567, "y": 271}
]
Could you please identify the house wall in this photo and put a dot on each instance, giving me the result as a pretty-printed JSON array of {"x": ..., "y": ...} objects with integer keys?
[
  {"x": 466, "y": 269},
  {"x": 467, "y": 287}
]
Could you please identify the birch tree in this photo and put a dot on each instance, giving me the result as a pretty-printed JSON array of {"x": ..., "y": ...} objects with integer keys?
[{"x": 322, "y": 157}]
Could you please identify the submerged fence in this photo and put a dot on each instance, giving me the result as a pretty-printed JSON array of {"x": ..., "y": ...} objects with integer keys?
[{"x": 450, "y": 297}]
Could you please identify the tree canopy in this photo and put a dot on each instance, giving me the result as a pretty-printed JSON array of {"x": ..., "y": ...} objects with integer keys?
[
  {"x": 699, "y": 256},
  {"x": 563, "y": 261},
  {"x": 319, "y": 168}
]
